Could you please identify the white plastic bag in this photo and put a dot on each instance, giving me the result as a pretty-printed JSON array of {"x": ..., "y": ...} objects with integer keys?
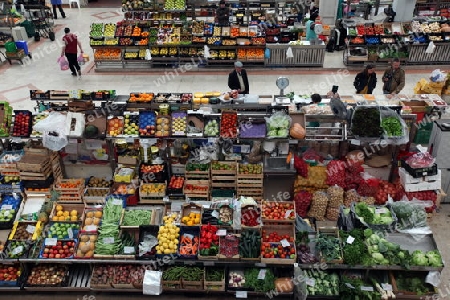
[
  {"x": 148, "y": 54},
  {"x": 206, "y": 53},
  {"x": 289, "y": 53},
  {"x": 438, "y": 76},
  {"x": 53, "y": 131},
  {"x": 430, "y": 48},
  {"x": 152, "y": 283},
  {"x": 402, "y": 139}
]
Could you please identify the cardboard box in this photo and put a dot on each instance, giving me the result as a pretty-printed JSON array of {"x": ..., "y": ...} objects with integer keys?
[
  {"x": 417, "y": 106},
  {"x": 412, "y": 184}
]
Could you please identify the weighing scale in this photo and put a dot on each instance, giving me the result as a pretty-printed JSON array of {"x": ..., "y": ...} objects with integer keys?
[{"x": 282, "y": 84}]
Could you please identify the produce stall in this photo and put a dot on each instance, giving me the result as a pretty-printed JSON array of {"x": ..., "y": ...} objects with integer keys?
[
  {"x": 190, "y": 187},
  {"x": 303, "y": 55}
]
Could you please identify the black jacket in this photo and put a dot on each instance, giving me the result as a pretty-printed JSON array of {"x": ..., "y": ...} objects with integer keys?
[
  {"x": 233, "y": 81},
  {"x": 362, "y": 79},
  {"x": 223, "y": 15}
]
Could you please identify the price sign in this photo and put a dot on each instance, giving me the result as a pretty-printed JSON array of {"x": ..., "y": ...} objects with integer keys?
[
  {"x": 212, "y": 141},
  {"x": 166, "y": 199},
  {"x": 6, "y": 207},
  {"x": 70, "y": 233},
  {"x": 386, "y": 286},
  {"x": 17, "y": 250},
  {"x": 208, "y": 263},
  {"x": 128, "y": 250},
  {"x": 6, "y": 213},
  {"x": 51, "y": 241},
  {"x": 215, "y": 214},
  {"x": 108, "y": 240},
  {"x": 285, "y": 243},
  {"x": 295, "y": 265},
  {"x": 262, "y": 274},
  {"x": 30, "y": 229},
  {"x": 288, "y": 213},
  {"x": 260, "y": 265},
  {"x": 350, "y": 239},
  {"x": 241, "y": 294},
  {"x": 349, "y": 285},
  {"x": 117, "y": 202},
  {"x": 380, "y": 210},
  {"x": 367, "y": 288},
  {"x": 129, "y": 139},
  {"x": 90, "y": 228},
  {"x": 311, "y": 282},
  {"x": 221, "y": 232}
]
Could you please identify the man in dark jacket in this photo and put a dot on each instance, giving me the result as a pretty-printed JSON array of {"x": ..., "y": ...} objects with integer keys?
[
  {"x": 223, "y": 14},
  {"x": 238, "y": 80},
  {"x": 366, "y": 81}
]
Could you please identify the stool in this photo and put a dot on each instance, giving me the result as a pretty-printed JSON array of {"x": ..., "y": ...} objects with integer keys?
[{"x": 74, "y": 1}]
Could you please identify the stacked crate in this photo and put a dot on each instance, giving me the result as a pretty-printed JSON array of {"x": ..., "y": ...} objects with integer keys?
[
  {"x": 70, "y": 190},
  {"x": 56, "y": 166},
  {"x": 223, "y": 176},
  {"x": 8, "y": 167},
  {"x": 250, "y": 181},
  {"x": 34, "y": 167}
]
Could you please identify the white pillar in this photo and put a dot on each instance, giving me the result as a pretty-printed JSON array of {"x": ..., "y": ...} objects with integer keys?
[
  {"x": 328, "y": 11},
  {"x": 404, "y": 10}
]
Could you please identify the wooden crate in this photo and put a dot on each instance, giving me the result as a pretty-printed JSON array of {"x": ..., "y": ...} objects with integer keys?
[
  {"x": 192, "y": 175},
  {"x": 204, "y": 184},
  {"x": 334, "y": 232},
  {"x": 221, "y": 256},
  {"x": 409, "y": 294},
  {"x": 231, "y": 171},
  {"x": 150, "y": 198},
  {"x": 33, "y": 163},
  {"x": 77, "y": 189},
  {"x": 214, "y": 285},
  {"x": 171, "y": 285},
  {"x": 69, "y": 207},
  {"x": 226, "y": 181},
  {"x": 95, "y": 199},
  {"x": 281, "y": 261},
  {"x": 280, "y": 229},
  {"x": 284, "y": 220},
  {"x": 42, "y": 175},
  {"x": 192, "y": 285}
]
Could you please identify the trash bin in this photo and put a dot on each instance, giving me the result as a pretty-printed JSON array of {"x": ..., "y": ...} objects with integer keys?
[
  {"x": 29, "y": 28},
  {"x": 22, "y": 45}
]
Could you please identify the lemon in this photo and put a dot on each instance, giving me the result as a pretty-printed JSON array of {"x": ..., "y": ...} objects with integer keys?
[
  {"x": 73, "y": 213},
  {"x": 55, "y": 218},
  {"x": 59, "y": 213},
  {"x": 172, "y": 237},
  {"x": 177, "y": 229},
  {"x": 159, "y": 252},
  {"x": 74, "y": 218},
  {"x": 165, "y": 218},
  {"x": 167, "y": 251},
  {"x": 174, "y": 216},
  {"x": 157, "y": 248},
  {"x": 165, "y": 245},
  {"x": 66, "y": 214},
  {"x": 59, "y": 208}
]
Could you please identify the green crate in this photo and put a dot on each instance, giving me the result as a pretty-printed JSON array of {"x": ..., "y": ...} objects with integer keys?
[
  {"x": 422, "y": 136},
  {"x": 11, "y": 47}
]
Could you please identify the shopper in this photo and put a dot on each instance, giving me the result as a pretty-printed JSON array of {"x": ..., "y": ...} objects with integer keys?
[
  {"x": 70, "y": 50},
  {"x": 223, "y": 14},
  {"x": 316, "y": 99},
  {"x": 366, "y": 81},
  {"x": 55, "y": 4},
  {"x": 394, "y": 78},
  {"x": 238, "y": 80},
  {"x": 311, "y": 35}
]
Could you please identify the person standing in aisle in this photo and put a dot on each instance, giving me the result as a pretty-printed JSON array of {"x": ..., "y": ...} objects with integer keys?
[
  {"x": 366, "y": 81},
  {"x": 311, "y": 35},
  {"x": 394, "y": 78},
  {"x": 57, "y": 4},
  {"x": 223, "y": 14},
  {"x": 70, "y": 50},
  {"x": 238, "y": 80}
]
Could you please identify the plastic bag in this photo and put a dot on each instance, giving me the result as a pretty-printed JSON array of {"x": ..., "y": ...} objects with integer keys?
[
  {"x": 53, "y": 130},
  {"x": 430, "y": 48},
  {"x": 394, "y": 127},
  {"x": 80, "y": 59},
  {"x": 267, "y": 53},
  {"x": 438, "y": 76},
  {"x": 421, "y": 160},
  {"x": 152, "y": 283},
  {"x": 206, "y": 53},
  {"x": 289, "y": 53},
  {"x": 63, "y": 63},
  {"x": 411, "y": 215},
  {"x": 278, "y": 125},
  {"x": 148, "y": 54}
]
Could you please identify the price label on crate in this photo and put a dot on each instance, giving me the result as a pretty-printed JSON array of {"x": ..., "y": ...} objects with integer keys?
[
  {"x": 380, "y": 210},
  {"x": 288, "y": 213},
  {"x": 90, "y": 228},
  {"x": 350, "y": 239},
  {"x": 117, "y": 202},
  {"x": 285, "y": 243},
  {"x": 129, "y": 140},
  {"x": 208, "y": 263},
  {"x": 108, "y": 240},
  {"x": 51, "y": 241},
  {"x": 221, "y": 232},
  {"x": 6, "y": 207},
  {"x": 349, "y": 285},
  {"x": 31, "y": 229},
  {"x": 128, "y": 250},
  {"x": 311, "y": 282},
  {"x": 215, "y": 214},
  {"x": 386, "y": 286},
  {"x": 70, "y": 233},
  {"x": 6, "y": 213},
  {"x": 241, "y": 294},
  {"x": 166, "y": 199},
  {"x": 262, "y": 274},
  {"x": 367, "y": 288},
  {"x": 17, "y": 250}
]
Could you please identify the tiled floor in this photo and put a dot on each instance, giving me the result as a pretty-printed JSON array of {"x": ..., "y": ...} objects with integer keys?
[{"x": 42, "y": 72}]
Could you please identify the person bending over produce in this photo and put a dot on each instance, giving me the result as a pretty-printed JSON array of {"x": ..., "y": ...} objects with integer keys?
[
  {"x": 238, "y": 80},
  {"x": 394, "y": 78},
  {"x": 315, "y": 99},
  {"x": 366, "y": 81}
]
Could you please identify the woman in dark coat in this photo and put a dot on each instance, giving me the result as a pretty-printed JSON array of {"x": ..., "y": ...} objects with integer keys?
[{"x": 366, "y": 81}]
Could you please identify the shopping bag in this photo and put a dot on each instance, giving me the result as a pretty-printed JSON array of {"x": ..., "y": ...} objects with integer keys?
[
  {"x": 206, "y": 53},
  {"x": 430, "y": 48},
  {"x": 63, "y": 63},
  {"x": 289, "y": 53},
  {"x": 267, "y": 53},
  {"x": 148, "y": 55},
  {"x": 80, "y": 59}
]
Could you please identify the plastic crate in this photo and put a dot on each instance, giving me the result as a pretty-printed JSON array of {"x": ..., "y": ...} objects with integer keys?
[{"x": 422, "y": 136}]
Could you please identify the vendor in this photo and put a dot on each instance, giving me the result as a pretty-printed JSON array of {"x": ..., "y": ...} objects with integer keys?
[
  {"x": 315, "y": 100},
  {"x": 311, "y": 35},
  {"x": 223, "y": 14},
  {"x": 238, "y": 80}
]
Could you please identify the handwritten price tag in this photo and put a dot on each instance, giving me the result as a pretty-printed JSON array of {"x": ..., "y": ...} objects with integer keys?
[
  {"x": 117, "y": 202},
  {"x": 285, "y": 243},
  {"x": 6, "y": 207},
  {"x": 17, "y": 250},
  {"x": 31, "y": 229},
  {"x": 241, "y": 294},
  {"x": 262, "y": 274},
  {"x": 380, "y": 210},
  {"x": 349, "y": 285},
  {"x": 311, "y": 282},
  {"x": 215, "y": 214},
  {"x": 90, "y": 228},
  {"x": 288, "y": 213},
  {"x": 221, "y": 232},
  {"x": 70, "y": 233},
  {"x": 367, "y": 288},
  {"x": 51, "y": 241},
  {"x": 386, "y": 286},
  {"x": 128, "y": 250},
  {"x": 350, "y": 239},
  {"x": 108, "y": 240}
]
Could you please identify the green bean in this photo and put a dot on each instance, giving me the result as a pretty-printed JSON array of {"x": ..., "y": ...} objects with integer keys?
[{"x": 137, "y": 217}]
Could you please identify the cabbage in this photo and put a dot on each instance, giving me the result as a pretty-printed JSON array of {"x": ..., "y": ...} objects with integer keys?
[
  {"x": 434, "y": 258},
  {"x": 272, "y": 133},
  {"x": 419, "y": 258},
  {"x": 282, "y": 132},
  {"x": 386, "y": 220},
  {"x": 378, "y": 257}
]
